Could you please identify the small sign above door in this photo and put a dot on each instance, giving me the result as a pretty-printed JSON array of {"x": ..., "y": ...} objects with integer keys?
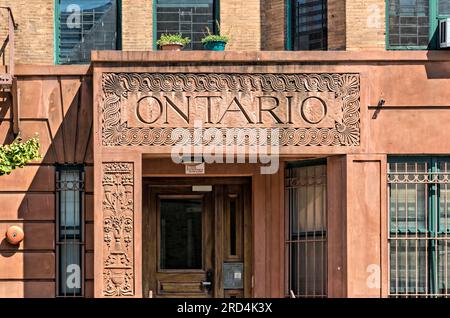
[{"x": 195, "y": 168}]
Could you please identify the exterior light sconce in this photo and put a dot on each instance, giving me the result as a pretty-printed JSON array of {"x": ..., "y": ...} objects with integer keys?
[{"x": 14, "y": 235}]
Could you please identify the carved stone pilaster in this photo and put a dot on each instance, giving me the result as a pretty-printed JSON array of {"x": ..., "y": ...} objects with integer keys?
[{"x": 118, "y": 230}]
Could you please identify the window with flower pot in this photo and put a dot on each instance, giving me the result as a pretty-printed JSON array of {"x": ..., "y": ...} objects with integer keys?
[
  {"x": 190, "y": 18},
  {"x": 307, "y": 25},
  {"x": 85, "y": 25},
  {"x": 69, "y": 230}
]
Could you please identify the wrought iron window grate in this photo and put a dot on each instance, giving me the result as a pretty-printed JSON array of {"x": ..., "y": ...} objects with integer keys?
[
  {"x": 419, "y": 207},
  {"x": 306, "y": 231},
  {"x": 69, "y": 230}
]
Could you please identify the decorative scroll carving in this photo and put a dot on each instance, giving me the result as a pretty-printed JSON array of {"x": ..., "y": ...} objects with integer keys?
[
  {"x": 118, "y": 210},
  {"x": 346, "y": 88}
]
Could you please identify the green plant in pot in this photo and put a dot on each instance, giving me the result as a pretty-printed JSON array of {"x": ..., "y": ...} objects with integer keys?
[
  {"x": 172, "y": 42},
  {"x": 215, "y": 42}
]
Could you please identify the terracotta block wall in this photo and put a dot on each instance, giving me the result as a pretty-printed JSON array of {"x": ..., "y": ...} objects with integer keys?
[
  {"x": 366, "y": 26},
  {"x": 59, "y": 110},
  {"x": 273, "y": 25},
  {"x": 35, "y": 35},
  {"x": 242, "y": 20},
  {"x": 137, "y": 25},
  {"x": 336, "y": 24}
]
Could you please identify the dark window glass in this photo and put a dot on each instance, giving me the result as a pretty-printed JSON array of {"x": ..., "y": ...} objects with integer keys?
[
  {"x": 444, "y": 7},
  {"x": 181, "y": 234},
  {"x": 419, "y": 207},
  {"x": 190, "y": 18},
  {"x": 306, "y": 242},
  {"x": 409, "y": 23},
  {"x": 309, "y": 23},
  {"x": 70, "y": 187},
  {"x": 86, "y": 25}
]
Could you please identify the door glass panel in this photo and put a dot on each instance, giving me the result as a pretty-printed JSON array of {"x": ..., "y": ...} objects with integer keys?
[{"x": 181, "y": 234}]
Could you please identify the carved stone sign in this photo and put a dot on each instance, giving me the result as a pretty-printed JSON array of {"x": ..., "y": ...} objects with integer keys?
[
  {"x": 143, "y": 109},
  {"x": 118, "y": 234}
]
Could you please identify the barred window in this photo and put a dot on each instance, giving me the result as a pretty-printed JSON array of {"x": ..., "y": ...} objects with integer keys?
[
  {"x": 306, "y": 230},
  {"x": 69, "y": 230},
  {"x": 83, "y": 26},
  {"x": 309, "y": 24},
  {"x": 188, "y": 17},
  {"x": 419, "y": 207}
]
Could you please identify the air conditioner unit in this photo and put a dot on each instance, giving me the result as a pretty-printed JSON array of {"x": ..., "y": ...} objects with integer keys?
[{"x": 444, "y": 33}]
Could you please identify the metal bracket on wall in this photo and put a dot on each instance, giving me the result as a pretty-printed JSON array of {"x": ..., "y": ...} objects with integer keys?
[{"x": 15, "y": 94}]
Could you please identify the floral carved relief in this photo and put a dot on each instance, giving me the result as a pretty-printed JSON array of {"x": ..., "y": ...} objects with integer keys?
[{"x": 118, "y": 216}]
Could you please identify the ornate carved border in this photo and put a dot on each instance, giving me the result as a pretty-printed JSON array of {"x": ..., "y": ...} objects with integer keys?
[
  {"x": 117, "y": 86},
  {"x": 118, "y": 220}
]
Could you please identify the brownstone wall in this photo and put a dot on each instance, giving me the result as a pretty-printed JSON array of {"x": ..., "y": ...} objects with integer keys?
[
  {"x": 59, "y": 110},
  {"x": 366, "y": 25},
  {"x": 273, "y": 25}
]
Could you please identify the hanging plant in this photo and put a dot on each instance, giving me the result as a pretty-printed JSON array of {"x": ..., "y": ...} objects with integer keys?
[{"x": 18, "y": 154}]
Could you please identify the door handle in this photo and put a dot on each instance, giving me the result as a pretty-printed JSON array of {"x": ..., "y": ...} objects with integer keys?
[{"x": 207, "y": 284}]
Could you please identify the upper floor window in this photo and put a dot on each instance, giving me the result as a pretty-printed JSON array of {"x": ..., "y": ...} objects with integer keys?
[
  {"x": 413, "y": 24},
  {"x": 188, "y": 17},
  {"x": 307, "y": 25},
  {"x": 83, "y": 26}
]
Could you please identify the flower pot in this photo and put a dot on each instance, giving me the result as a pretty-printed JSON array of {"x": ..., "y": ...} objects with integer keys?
[
  {"x": 215, "y": 45},
  {"x": 172, "y": 47}
]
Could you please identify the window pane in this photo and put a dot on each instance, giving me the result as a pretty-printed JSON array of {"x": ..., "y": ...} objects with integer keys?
[
  {"x": 408, "y": 23},
  {"x": 181, "y": 234},
  {"x": 86, "y": 25},
  {"x": 190, "y": 18},
  {"x": 444, "y": 7},
  {"x": 408, "y": 270},
  {"x": 70, "y": 268},
  {"x": 408, "y": 201},
  {"x": 310, "y": 23}
]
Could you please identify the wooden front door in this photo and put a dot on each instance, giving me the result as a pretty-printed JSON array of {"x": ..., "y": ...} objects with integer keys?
[{"x": 197, "y": 240}]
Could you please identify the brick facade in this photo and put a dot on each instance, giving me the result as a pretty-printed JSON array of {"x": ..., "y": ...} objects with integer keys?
[
  {"x": 273, "y": 22},
  {"x": 242, "y": 20},
  {"x": 35, "y": 34},
  {"x": 336, "y": 25},
  {"x": 254, "y": 25},
  {"x": 137, "y": 25},
  {"x": 366, "y": 27}
]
